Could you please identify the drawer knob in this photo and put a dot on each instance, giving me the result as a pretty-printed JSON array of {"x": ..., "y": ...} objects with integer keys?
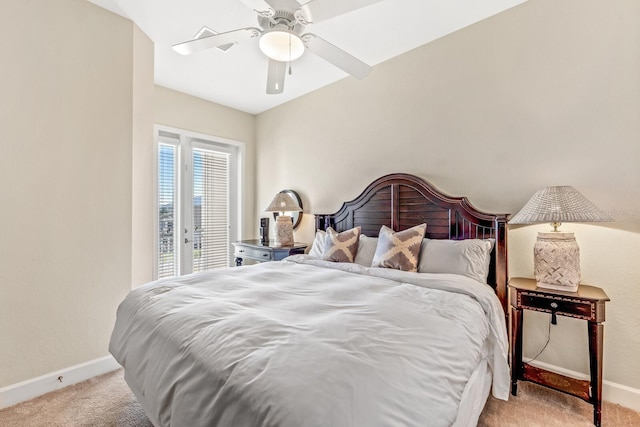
[
  {"x": 554, "y": 305},
  {"x": 265, "y": 255}
]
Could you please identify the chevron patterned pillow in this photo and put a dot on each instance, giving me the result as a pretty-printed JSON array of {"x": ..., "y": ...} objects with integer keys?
[
  {"x": 399, "y": 250},
  {"x": 341, "y": 247}
]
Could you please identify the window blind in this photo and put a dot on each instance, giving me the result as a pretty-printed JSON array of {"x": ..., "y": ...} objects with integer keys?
[
  {"x": 211, "y": 171},
  {"x": 167, "y": 205}
]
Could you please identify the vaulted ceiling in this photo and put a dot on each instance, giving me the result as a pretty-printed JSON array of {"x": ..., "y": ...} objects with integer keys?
[{"x": 237, "y": 77}]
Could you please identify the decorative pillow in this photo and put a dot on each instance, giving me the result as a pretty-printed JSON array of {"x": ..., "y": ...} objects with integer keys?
[
  {"x": 318, "y": 244},
  {"x": 341, "y": 247},
  {"x": 366, "y": 250},
  {"x": 399, "y": 250},
  {"x": 469, "y": 257}
]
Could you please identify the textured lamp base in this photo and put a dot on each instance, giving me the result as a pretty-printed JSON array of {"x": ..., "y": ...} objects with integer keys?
[
  {"x": 284, "y": 230},
  {"x": 557, "y": 261}
]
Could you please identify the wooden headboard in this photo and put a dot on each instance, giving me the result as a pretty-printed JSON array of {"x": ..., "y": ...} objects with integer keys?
[{"x": 401, "y": 201}]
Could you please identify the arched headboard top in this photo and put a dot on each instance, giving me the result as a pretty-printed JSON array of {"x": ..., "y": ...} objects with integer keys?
[{"x": 401, "y": 201}]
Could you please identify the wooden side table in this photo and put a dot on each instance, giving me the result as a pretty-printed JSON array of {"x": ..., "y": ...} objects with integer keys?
[
  {"x": 588, "y": 303},
  {"x": 253, "y": 249}
]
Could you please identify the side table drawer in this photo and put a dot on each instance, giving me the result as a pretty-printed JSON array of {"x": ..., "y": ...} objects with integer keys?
[
  {"x": 257, "y": 250},
  {"x": 254, "y": 253},
  {"x": 566, "y": 306}
]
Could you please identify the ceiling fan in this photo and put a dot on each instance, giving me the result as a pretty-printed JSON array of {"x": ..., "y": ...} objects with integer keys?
[{"x": 281, "y": 36}]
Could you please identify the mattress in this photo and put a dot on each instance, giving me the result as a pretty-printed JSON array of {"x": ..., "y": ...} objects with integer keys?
[{"x": 304, "y": 342}]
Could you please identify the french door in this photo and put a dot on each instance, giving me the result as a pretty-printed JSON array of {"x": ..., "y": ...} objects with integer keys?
[{"x": 196, "y": 205}]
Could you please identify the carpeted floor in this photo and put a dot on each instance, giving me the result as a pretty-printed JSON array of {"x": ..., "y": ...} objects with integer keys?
[{"x": 107, "y": 401}]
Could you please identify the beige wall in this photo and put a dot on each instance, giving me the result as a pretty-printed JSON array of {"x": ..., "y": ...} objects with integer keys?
[
  {"x": 182, "y": 111},
  {"x": 77, "y": 179},
  {"x": 546, "y": 93},
  {"x": 143, "y": 178},
  {"x": 65, "y": 182}
]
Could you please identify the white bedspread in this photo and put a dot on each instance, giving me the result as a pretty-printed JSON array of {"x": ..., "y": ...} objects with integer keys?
[{"x": 305, "y": 342}]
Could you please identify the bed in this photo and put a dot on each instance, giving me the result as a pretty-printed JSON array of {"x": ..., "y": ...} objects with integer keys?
[{"x": 310, "y": 342}]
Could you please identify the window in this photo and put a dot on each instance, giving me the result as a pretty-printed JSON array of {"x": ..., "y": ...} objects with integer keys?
[
  {"x": 167, "y": 202},
  {"x": 210, "y": 209},
  {"x": 197, "y": 202}
]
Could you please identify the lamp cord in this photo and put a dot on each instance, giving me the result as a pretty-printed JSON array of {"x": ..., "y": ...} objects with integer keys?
[{"x": 545, "y": 344}]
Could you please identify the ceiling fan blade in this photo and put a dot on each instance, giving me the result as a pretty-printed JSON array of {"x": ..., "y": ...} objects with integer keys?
[
  {"x": 336, "y": 56},
  {"x": 235, "y": 36},
  {"x": 275, "y": 76},
  {"x": 283, "y": 4},
  {"x": 206, "y": 32},
  {"x": 319, "y": 10},
  {"x": 260, "y": 6},
  {"x": 268, "y": 7}
]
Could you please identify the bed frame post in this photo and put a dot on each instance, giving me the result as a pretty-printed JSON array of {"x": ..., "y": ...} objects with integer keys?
[
  {"x": 501, "y": 261},
  {"x": 323, "y": 222}
]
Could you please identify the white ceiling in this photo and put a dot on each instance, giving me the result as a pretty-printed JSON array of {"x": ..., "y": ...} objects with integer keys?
[{"x": 237, "y": 78}]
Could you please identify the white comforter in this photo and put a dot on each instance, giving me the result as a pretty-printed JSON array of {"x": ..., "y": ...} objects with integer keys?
[{"x": 305, "y": 342}]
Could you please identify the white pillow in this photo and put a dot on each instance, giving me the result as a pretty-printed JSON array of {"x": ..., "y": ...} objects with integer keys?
[
  {"x": 366, "y": 250},
  {"x": 317, "y": 248},
  {"x": 469, "y": 257}
]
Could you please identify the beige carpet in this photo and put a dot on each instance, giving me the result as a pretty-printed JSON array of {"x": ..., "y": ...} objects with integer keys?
[{"x": 107, "y": 401}]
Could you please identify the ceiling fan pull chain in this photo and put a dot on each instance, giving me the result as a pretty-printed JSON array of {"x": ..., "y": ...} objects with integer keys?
[{"x": 289, "y": 54}]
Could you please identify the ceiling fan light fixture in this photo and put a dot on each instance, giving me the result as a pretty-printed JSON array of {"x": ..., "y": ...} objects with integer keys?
[{"x": 281, "y": 45}]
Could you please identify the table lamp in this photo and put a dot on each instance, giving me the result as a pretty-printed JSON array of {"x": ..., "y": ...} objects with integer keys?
[
  {"x": 556, "y": 254},
  {"x": 284, "y": 224}
]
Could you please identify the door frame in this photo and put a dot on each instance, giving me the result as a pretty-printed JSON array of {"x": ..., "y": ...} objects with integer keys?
[{"x": 186, "y": 141}]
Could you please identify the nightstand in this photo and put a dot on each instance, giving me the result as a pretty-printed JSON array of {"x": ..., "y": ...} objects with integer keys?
[
  {"x": 253, "y": 249},
  {"x": 588, "y": 303}
]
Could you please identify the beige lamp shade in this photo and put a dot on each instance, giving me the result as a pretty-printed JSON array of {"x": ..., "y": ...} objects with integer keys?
[
  {"x": 558, "y": 205},
  {"x": 556, "y": 254},
  {"x": 284, "y": 224},
  {"x": 283, "y": 203}
]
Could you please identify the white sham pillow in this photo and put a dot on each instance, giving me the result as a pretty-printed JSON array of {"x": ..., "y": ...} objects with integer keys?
[
  {"x": 469, "y": 257},
  {"x": 366, "y": 250},
  {"x": 317, "y": 248}
]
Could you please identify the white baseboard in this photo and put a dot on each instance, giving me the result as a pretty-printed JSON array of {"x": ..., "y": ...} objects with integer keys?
[
  {"x": 29, "y": 389},
  {"x": 623, "y": 395}
]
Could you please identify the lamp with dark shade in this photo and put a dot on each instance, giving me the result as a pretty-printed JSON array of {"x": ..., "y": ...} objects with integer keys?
[
  {"x": 556, "y": 254},
  {"x": 284, "y": 224}
]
